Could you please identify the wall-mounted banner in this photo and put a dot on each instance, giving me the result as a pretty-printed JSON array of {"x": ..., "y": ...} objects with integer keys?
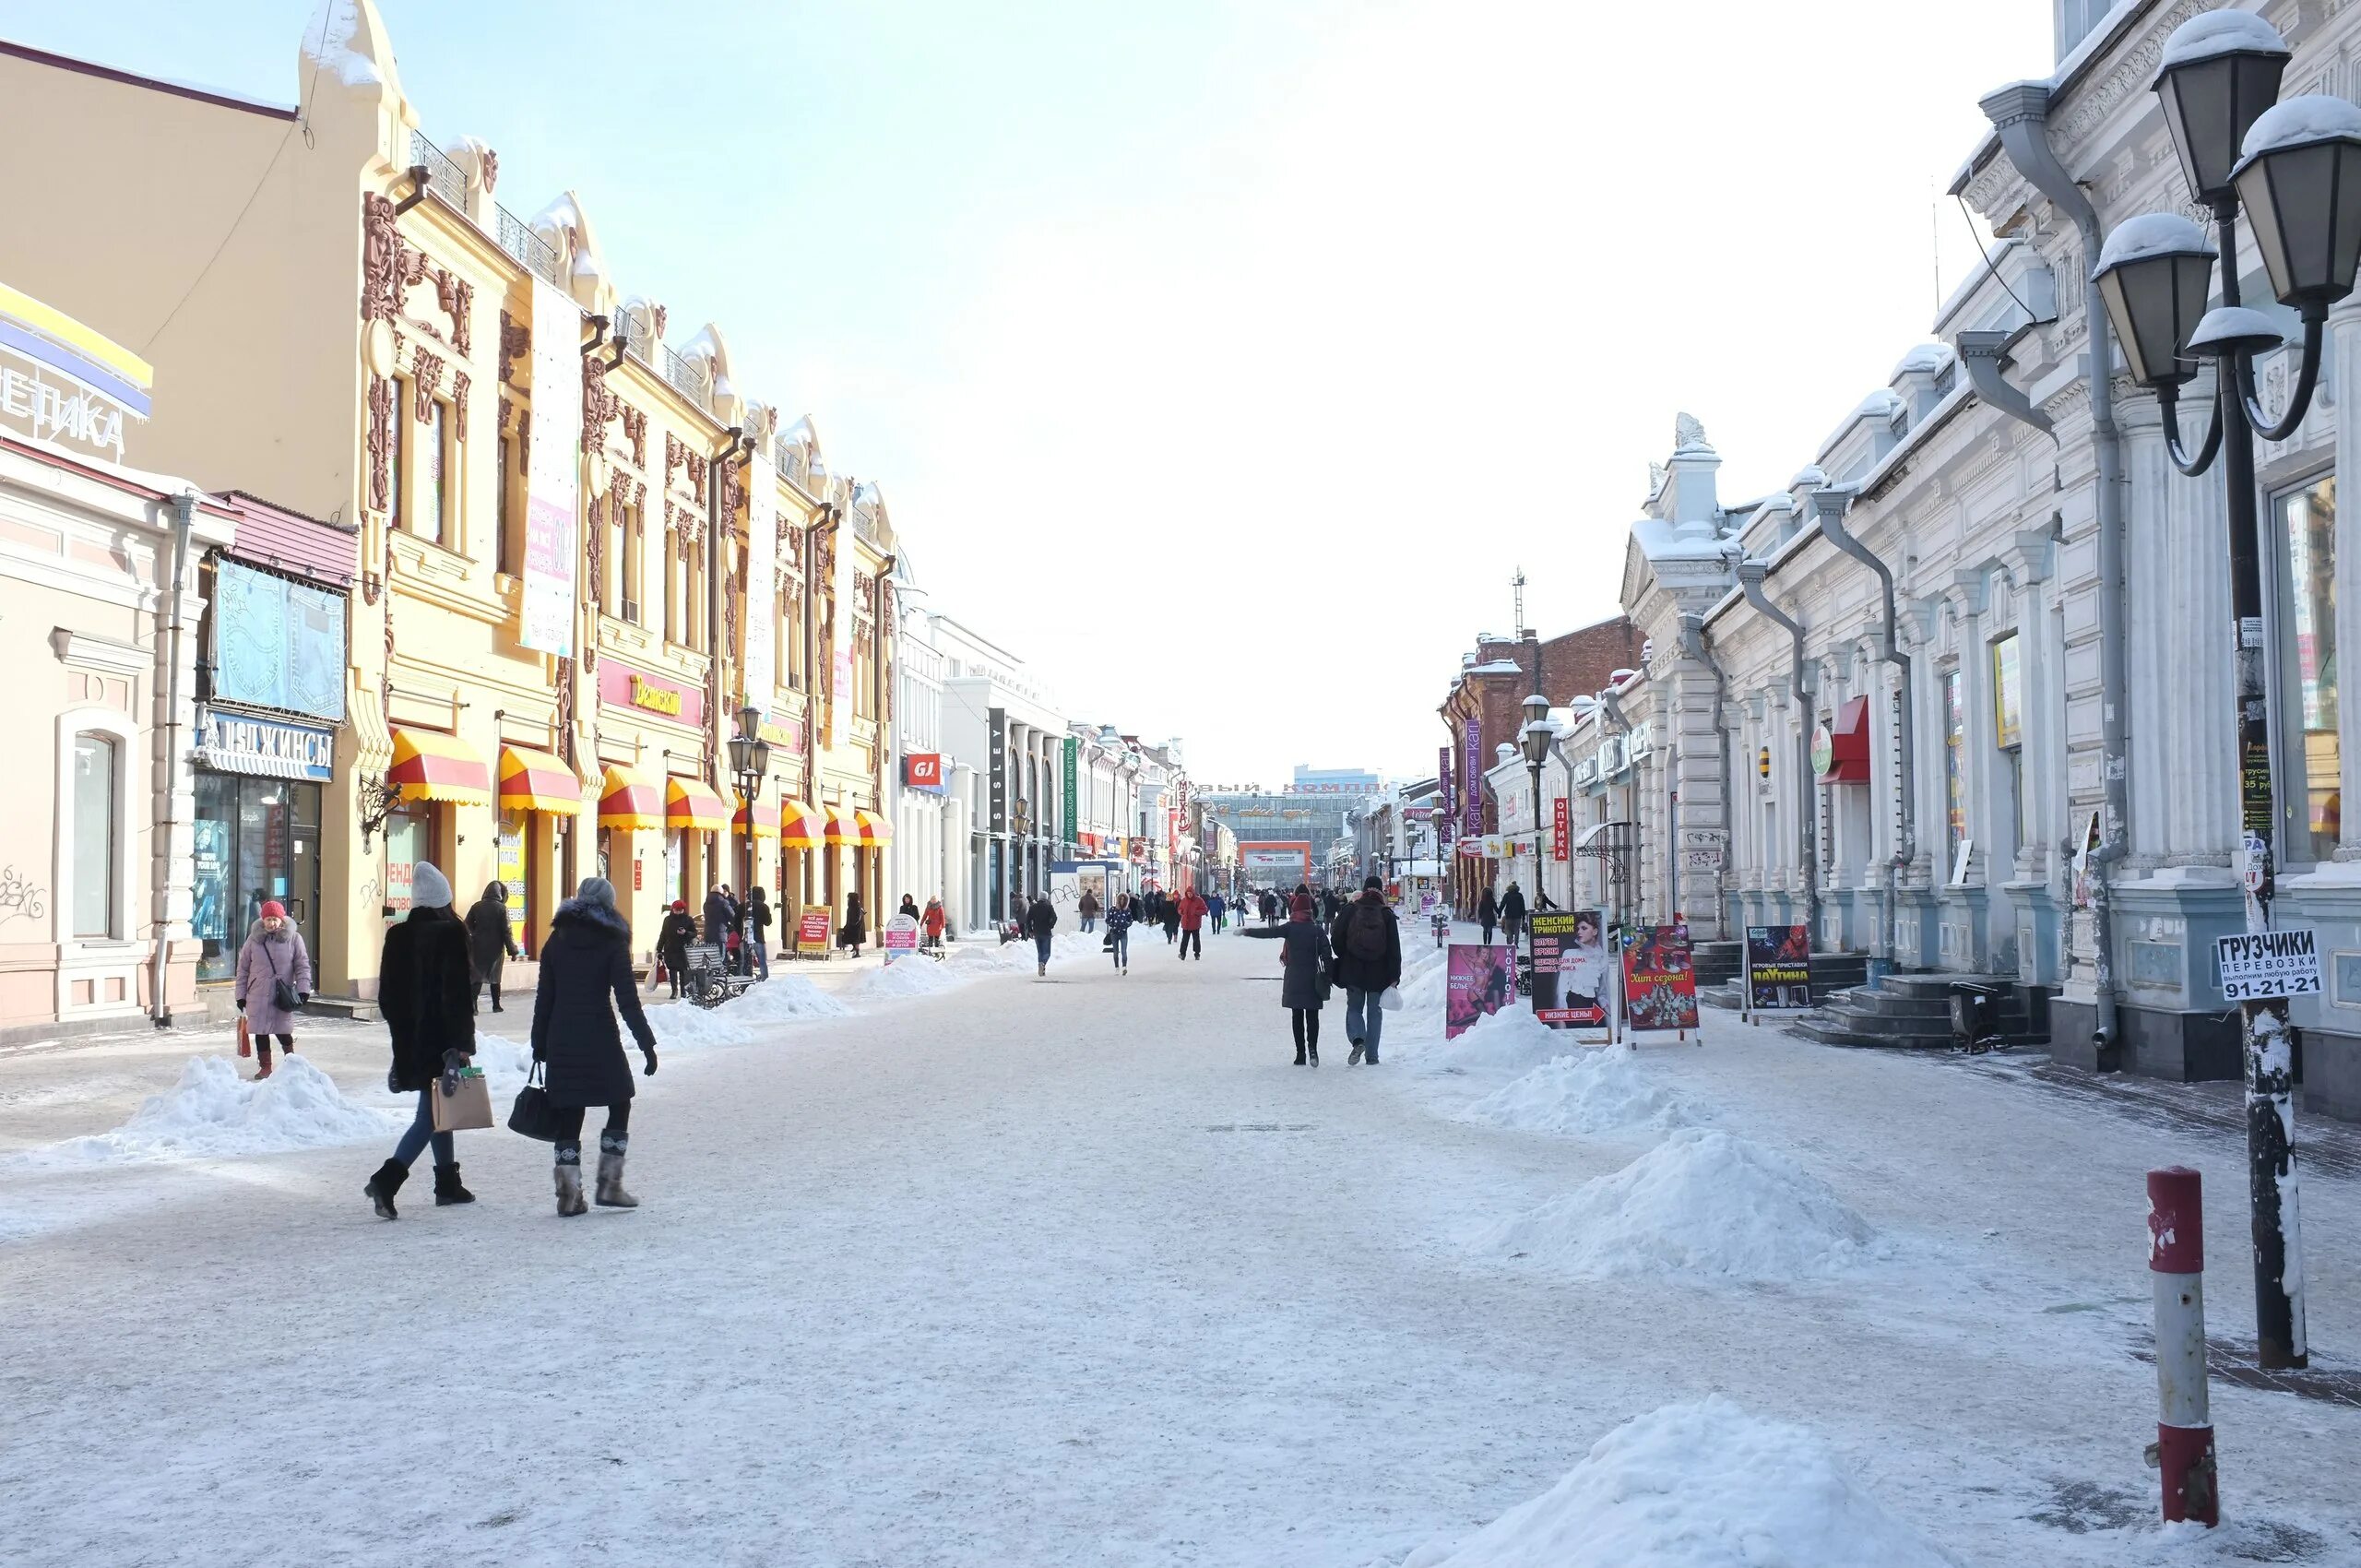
[
  {"x": 1073, "y": 772},
  {"x": 760, "y": 676},
  {"x": 1561, "y": 826},
  {"x": 923, "y": 770},
  {"x": 553, "y": 475},
  {"x": 277, "y": 643},
  {"x": 997, "y": 779},
  {"x": 1471, "y": 790}
]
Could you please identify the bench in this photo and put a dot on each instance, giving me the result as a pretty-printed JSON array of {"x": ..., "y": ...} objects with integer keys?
[{"x": 706, "y": 980}]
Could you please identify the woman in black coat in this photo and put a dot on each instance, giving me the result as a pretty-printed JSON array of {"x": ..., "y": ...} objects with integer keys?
[
  {"x": 586, "y": 961},
  {"x": 491, "y": 939},
  {"x": 1487, "y": 915},
  {"x": 426, "y": 991},
  {"x": 855, "y": 931},
  {"x": 1303, "y": 948},
  {"x": 672, "y": 940}
]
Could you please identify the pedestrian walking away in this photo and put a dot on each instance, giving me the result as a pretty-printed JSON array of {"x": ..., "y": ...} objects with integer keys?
[
  {"x": 1087, "y": 908},
  {"x": 1167, "y": 914},
  {"x": 1366, "y": 940},
  {"x": 1303, "y": 989},
  {"x": 1041, "y": 924},
  {"x": 933, "y": 921},
  {"x": 1487, "y": 915},
  {"x": 1512, "y": 912},
  {"x": 1192, "y": 925},
  {"x": 672, "y": 939},
  {"x": 274, "y": 979},
  {"x": 585, "y": 981},
  {"x": 492, "y": 939},
  {"x": 1119, "y": 932},
  {"x": 426, "y": 994},
  {"x": 758, "y": 931},
  {"x": 854, "y": 932}
]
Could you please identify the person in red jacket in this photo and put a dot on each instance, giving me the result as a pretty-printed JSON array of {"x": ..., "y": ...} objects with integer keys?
[
  {"x": 933, "y": 921},
  {"x": 1192, "y": 925}
]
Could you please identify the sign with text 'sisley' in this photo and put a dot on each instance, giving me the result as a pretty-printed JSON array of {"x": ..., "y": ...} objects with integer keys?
[{"x": 2259, "y": 964}]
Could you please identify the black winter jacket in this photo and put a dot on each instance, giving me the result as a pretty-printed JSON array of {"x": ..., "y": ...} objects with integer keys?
[
  {"x": 1513, "y": 908},
  {"x": 1304, "y": 947},
  {"x": 490, "y": 937},
  {"x": 1365, "y": 974},
  {"x": 1041, "y": 919},
  {"x": 719, "y": 917},
  {"x": 426, "y": 989},
  {"x": 587, "y": 961},
  {"x": 673, "y": 937}
]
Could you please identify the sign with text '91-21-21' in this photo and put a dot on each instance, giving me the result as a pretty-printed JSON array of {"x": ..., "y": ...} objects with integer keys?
[{"x": 2259, "y": 964}]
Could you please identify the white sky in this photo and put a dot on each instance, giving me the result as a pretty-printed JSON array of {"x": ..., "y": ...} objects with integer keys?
[{"x": 1225, "y": 358}]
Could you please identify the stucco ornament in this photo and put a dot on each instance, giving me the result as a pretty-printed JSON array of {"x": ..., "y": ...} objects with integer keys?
[{"x": 1688, "y": 434}]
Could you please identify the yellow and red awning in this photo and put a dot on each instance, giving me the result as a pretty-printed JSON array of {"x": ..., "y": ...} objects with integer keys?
[
  {"x": 429, "y": 765},
  {"x": 843, "y": 828},
  {"x": 633, "y": 801},
  {"x": 801, "y": 826},
  {"x": 766, "y": 819},
  {"x": 861, "y": 829},
  {"x": 689, "y": 803},
  {"x": 536, "y": 781},
  {"x": 875, "y": 829}
]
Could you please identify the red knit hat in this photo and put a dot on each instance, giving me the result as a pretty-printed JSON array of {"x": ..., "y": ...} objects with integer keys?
[
  {"x": 273, "y": 907},
  {"x": 1300, "y": 907}
]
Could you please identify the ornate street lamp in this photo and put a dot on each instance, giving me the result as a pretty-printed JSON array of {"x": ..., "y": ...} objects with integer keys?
[
  {"x": 750, "y": 759},
  {"x": 1536, "y": 737},
  {"x": 2296, "y": 168}
]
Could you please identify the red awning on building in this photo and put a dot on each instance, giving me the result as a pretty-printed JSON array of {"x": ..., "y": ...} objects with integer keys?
[{"x": 1840, "y": 751}]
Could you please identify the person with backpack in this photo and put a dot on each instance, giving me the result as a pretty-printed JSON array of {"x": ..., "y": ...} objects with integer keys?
[
  {"x": 1191, "y": 916},
  {"x": 1305, "y": 953},
  {"x": 1368, "y": 942},
  {"x": 1512, "y": 912}
]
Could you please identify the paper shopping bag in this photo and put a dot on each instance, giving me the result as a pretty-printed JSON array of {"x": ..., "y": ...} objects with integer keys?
[{"x": 470, "y": 1108}]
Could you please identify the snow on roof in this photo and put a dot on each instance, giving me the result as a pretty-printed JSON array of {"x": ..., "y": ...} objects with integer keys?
[
  {"x": 337, "y": 41},
  {"x": 2299, "y": 121},
  {"x": 2235, "y": 324},
  {"x": 1811, "y": 476},
  {"x": 2153, "y": 233},
  {"x": 1496, "y": 666},
  {"x": 2212, "y": 33},
  {"x": 1925, "y": 358}
]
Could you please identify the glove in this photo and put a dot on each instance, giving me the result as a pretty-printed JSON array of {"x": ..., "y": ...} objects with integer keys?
[
  {"x": 241, "y": 1004},
  {"x": 302, "y": 997},
  {"x": 453, "y": 1059},
  {"x": 648, "y": 1053}
]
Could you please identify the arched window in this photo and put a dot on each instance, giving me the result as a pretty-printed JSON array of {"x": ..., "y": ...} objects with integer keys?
[{"x": 97, "y": 853}]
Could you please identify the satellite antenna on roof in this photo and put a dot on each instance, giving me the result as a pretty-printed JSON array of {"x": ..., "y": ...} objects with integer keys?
[{"x": 1517, "y": 583}]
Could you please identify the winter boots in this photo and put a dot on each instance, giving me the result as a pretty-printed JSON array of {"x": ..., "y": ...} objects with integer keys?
[
  {"x": 1354, "y": 1058},
  {"x": 383, "y": 1185},
  {"x": 262, "y": 1057},
  {"x": 447, "y": 1190},
  {"x": 611, "y": 1148},
  {"x": 569, "y": 1181}
]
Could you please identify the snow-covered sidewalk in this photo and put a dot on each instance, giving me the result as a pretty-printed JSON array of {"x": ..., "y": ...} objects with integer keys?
[{"x": 1084, "y": 1272}]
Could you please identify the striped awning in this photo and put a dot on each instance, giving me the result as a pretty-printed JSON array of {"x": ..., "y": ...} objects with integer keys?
[
  {"x": 766, "y": 824},
  {"x": 633, "y": 801},
  {"x": 429, "y": 765},
  {"x": 801, "y": 826},
  {"x": 689, "y": 803},
  {"x": 875, "y": 829},
  {"x": 843, "y": 826},
  {"x": 536, "y": 781}
]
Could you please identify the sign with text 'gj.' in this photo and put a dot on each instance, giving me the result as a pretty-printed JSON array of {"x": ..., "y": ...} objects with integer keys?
[{"x": 2259, "y": 964}]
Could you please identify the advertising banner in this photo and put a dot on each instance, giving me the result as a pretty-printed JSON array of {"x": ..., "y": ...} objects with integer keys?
[
  {"x": 1071, "y": 773},
  {"x": 900, "y": 936},
  {"x": 761, "y": 666},
  {"x": 1561, "y": 826},
  {"x": 1779, "y": 966},
  {"x": 1568, "y": 969},
  {"x": 1477, "y": 984},
  {"x": 1659, "y": 979},
  {"x": 812, "y": 931},
  {"x": 277, "y": 643},
  {"x": 923, "y": 770},
  {"x": 553, "y": 474},
  {"x": 996, "y": 774},
  {"x": 1471, "y": 781},
  {"x": 840, "y": 654}
]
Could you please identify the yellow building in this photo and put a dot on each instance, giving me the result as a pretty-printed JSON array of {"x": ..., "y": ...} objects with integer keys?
[{"x": 554, "y": 619}]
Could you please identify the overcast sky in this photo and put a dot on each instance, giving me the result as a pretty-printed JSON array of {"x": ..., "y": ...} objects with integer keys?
[{"x": 1224, "y": 358}]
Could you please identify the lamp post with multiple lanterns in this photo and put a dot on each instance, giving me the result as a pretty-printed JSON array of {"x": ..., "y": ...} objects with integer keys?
[
  {"x": 2294, "y": 168},
  {"x": 750, "y": 759}
]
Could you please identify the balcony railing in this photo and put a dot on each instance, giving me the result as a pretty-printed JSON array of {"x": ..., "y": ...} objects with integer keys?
[
  {"x": 442, "y": 177},
  {"x": 864, "y": 522},
  {"x": 538, "y": 256},
  {"x": 789, "y": 455},
  {"x": 687, "y": 375}
]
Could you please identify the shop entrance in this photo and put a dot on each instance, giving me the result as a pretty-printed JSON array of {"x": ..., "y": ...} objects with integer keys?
[{"x": 257, "y": 840}]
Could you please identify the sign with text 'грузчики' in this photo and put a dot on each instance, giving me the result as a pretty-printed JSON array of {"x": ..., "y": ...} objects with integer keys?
[{"x": 2256, "y": 964}]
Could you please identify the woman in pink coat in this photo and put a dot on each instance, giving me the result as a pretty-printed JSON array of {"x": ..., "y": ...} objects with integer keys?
[{"x": 274, "y": 980}]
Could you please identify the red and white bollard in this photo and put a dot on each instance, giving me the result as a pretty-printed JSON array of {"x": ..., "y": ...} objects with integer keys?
[{"x": 2184, "y": 1446}]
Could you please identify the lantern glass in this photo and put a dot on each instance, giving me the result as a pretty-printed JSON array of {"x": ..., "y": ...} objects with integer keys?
[
  {"x": 739, "y": 747},
  {"x": 2305, "y": 203},
  {"x": 761, "y": 758},
  {"x": 2208, "y": 105},
  {"x": 2155, "y": 302}
]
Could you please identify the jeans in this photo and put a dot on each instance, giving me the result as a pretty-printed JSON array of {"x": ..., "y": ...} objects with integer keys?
[
  {"x": 1089, "y": 924},
  {"x": 762, "y": 955},
  {"x": 419, "y": 1132},
  {"x": 1041, "y": 945},
  {"x": 1364, "y": 1018},
  {"x": 1193, "y": 939},
  {"x": 1123, "y": 948}
]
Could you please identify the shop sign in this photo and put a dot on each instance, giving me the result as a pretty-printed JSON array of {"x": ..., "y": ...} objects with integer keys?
[
  {"x": 622, "y": 687},
  {"x": 785, "y": 732},
  {"x": 1561, "y": 826},
  {"x": 812, "y": 931},
  {"x": 1640, "y": 742},
  {"x": 1072, "y": 769},
  {"x": 997, "y": 777},
  {"x": 923, "y": 770},
  {"x": 277, "y": 643},
  {"x": 64, "y": 380},
  {"x": 647, "y": 694},
  {"x": 236, "y": 743},
  {"x": 1611, "y": 756}
]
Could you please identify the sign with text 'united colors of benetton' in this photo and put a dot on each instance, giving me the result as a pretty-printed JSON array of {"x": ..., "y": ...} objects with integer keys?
[{"x": 553, "y": 474}]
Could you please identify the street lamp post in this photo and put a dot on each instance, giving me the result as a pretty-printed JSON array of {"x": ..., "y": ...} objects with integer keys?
[
  {"x": 1537, "y": 737},
  {"x": 2296, "y": 168},
  {"x": 750, "y": 759}
]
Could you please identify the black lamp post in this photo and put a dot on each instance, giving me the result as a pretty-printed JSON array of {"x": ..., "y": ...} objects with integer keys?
[
  {"x": 2296, "y": 168},
  {"x": 750, "y": 759},
  {"x": 1537, "y": 737}
]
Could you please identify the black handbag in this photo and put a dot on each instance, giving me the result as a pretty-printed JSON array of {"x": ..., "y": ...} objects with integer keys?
[
  {"x": 282, "y": 991},
  {"x": 533, "y": 1115}
]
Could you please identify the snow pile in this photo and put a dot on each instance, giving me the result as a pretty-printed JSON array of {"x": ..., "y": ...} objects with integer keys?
[
  {"x": 684, "y": 1026},
  {"x": 1700, "y": 1204},
  {"x": 212, "y": 1113},
  {"x": 1699, "y": 1485},
  {"x": 904, "y": 977},
  {"x": 786, "y": 998},
  {"x": 1510, "y": 1041},
  {"x": 504, "y": 1062},
  {"x": 1603, "y": 1089}
]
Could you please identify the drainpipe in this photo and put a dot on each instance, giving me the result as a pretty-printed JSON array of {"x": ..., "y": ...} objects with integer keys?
[
  {"x": 1696, "y": 644},
  {"x": 175, "y": 749},
  {"x": 1828, "y": 507},
  {"x": 2020, "y": 114},
  {"x": 1750, "y": 583}
]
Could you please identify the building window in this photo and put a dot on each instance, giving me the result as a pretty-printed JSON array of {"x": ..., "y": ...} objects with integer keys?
[
  {"x": 397, "y": 459},
  {"x": 97, "y": 855},
  {"x": 2310, "y": 813},
  {"x": 1955, "y": 764},
  {"x": 634, "y": 547},
  {"x": 2008, "y": 694},
  {"x": 431, "y": 459},
  {"x": 613, "y": 574},
  {"x": 505, "y": 550}
]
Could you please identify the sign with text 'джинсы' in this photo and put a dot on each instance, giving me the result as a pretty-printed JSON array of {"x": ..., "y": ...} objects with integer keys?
[{"x": 2259, "y": 964}]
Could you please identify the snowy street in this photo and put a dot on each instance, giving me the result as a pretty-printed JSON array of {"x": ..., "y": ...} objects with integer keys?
[{"x": 1083, "y": 1271}]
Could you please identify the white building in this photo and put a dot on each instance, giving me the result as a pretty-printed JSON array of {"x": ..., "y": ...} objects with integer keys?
[
  {"x": 1000, "y": 722},
  {"x": 927, "y": 791}
]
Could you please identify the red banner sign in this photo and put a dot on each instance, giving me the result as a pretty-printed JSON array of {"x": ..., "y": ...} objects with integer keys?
[
  {"x": 922, "y": 770},
  {"x": 1561, "y": 826}
]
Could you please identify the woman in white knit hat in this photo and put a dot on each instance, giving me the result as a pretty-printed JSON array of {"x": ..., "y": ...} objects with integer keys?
[{"x": 426, "y": 990}]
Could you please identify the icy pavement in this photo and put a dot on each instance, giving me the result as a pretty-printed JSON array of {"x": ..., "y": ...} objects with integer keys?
[{"x": 1083, "y": 1272}]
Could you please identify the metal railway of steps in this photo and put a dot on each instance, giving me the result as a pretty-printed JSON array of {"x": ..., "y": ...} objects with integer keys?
[{"x": 1914, "y": 1012}]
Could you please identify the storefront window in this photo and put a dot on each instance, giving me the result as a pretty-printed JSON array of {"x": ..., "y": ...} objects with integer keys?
[
  {"x": 2310, "y": 812},
  {"x": 95, "y": 849},
  {"x": 405, "y": 845},
  {"x": 515, "y": 862},
  {"x": 257, "y": 840},
  {"x": 1954, "y": 763},
  {"x": 675, "y": 864}
]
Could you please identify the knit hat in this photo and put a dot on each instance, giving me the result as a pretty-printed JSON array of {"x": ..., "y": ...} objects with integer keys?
[
  {"x": 1371, "y": 884},
  {"x": 1301, "y": 906},
  {"x": 273, "y": 909},
  {"x": 429, "y": 888},
  {"x": 597, "y": 890}
]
